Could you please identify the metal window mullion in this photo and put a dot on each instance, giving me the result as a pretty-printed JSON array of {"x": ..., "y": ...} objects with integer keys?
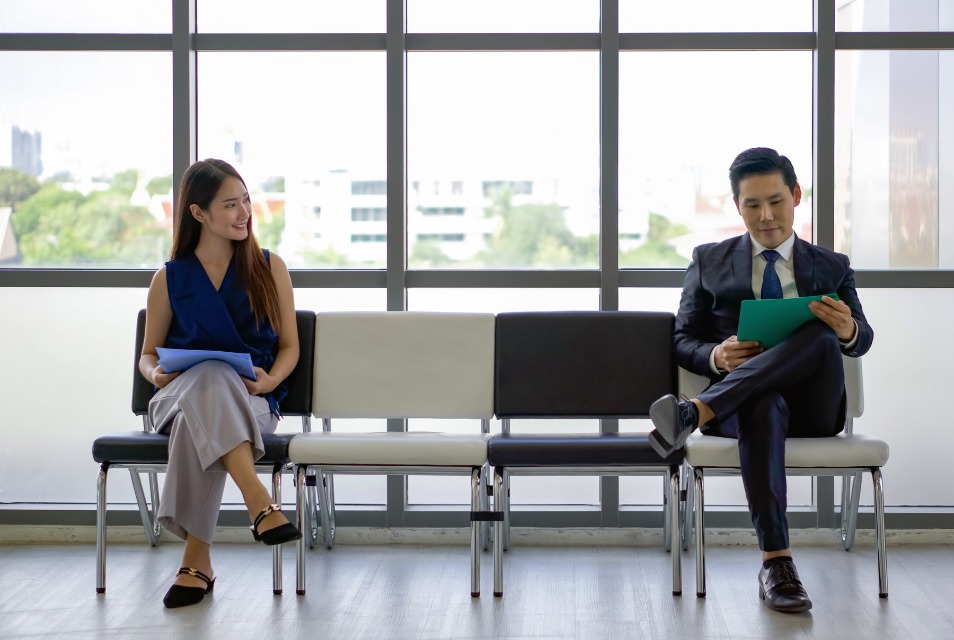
[
  {"x": 396, "y": 216},
  {"x": 823, "y": 187},
  {"x": 609, "y": 211},
  {"x": 184, "y": 127}
]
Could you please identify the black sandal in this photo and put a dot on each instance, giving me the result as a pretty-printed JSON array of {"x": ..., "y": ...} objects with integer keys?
[
  {"x": 279, "y": 535},
  {"x": 182, "y": 596}
]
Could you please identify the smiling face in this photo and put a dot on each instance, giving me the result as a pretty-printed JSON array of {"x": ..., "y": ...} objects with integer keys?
[
  {"x": 767, "y": 207},
  {"x": 229, "y": 214}
]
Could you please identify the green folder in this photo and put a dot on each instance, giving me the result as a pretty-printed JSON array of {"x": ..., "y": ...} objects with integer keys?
[{"x": 770, "y": 321}]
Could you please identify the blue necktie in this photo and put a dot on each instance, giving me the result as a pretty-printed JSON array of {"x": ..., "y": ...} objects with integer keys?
[{"x": 771, "y": 285}]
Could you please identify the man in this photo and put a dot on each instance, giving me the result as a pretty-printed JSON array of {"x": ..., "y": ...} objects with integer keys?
[{"x": 761, "y": 396}]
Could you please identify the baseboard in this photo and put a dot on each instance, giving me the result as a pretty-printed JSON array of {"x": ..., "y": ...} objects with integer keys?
[{"x": 520, "y": 536}]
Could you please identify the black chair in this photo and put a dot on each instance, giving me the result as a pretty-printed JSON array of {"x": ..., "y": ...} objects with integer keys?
[
  {"x": 148, "y": 452},
  {"x": 603, "y": 364}
]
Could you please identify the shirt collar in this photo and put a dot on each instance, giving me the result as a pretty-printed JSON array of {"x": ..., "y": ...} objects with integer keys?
[{"x": 784, "y": 250}]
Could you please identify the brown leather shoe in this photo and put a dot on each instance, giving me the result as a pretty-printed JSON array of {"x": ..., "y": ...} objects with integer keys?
[{"x": 780, "y": 587}]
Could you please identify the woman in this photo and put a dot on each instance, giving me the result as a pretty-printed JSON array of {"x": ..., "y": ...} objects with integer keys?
[{"x": 219, "y": 292}]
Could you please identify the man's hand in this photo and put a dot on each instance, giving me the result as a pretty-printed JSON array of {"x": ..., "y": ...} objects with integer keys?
[
  {"x": 731, "y": 353},
  {"x": 837, "y": 315}
]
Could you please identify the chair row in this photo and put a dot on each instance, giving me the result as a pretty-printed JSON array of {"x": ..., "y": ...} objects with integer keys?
[{"x": 452, "y": 366}]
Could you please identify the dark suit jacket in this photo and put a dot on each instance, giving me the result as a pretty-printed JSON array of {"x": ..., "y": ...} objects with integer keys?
[{"x": 720, "y": 278}]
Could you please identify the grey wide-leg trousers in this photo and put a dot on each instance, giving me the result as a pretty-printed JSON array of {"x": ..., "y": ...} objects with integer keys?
[{"x": 207, "y": 412}]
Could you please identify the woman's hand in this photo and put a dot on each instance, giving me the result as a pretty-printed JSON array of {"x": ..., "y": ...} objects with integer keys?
[
  {"x": 263, "y": 383},
  {"x": 160, "y": 378}
]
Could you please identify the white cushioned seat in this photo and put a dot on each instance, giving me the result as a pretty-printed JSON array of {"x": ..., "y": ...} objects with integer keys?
[
  {"x": 841, "y": 451},
  {"x": 404, "y": 365},
  {"x": 390, "y": 449}
]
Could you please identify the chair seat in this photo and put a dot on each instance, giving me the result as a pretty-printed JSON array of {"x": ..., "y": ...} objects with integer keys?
[
  {"x": 841, "y": 451},
  {"x": 419, "y": 449},
  {"x": 575, "y": 450},
  {"x": 141, "y": 447}
]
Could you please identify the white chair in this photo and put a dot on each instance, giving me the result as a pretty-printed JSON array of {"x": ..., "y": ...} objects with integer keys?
[
  {"x": 846, "y": 455},
  {"x": 399, "y": 365}
]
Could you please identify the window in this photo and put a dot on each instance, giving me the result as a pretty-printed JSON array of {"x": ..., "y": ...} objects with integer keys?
[
  {"x": 369, "y": 188},
  {"x": 365, "y": 214}
]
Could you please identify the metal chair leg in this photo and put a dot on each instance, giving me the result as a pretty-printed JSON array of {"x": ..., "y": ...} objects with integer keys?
[
  {"x": 325, "y": 505},
  {"x": 101, "y": 529},
  {"x": 277, "y": 549},
  {"x": 475, "y": 533},
  {"x": 300, "y": 473},
  {"x": 878, "y": 483},
  {"x": 700, "y": 536},
  {"x": 667, "y": 511},
  {"x": 506, "y": 498},
  {"x": 687, "y": 507},
  {"x": 485, "y": 529},
  {"x": 674, "y": 478},
  {"x": 149, "y": 518},
  {"x": 498, "y": 532},
  {"x": 850, "y": 499}
]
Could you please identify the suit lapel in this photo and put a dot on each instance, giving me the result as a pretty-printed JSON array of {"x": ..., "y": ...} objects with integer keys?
[
  {"x": 742, "y": 267},
  {"x": 804, "y": 267}
]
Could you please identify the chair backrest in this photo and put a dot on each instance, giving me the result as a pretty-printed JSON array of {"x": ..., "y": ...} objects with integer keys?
[
  {"x": 403, "y": 364},
  {"x": 854, "y": 389},
  {"x": 582, "y": 363},
  {"x": 692, "y": 385},
  {"x": 299, "y": 382}
]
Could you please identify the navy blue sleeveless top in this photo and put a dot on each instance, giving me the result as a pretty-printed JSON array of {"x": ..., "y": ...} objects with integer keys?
[{"x": 203, "y": 318}]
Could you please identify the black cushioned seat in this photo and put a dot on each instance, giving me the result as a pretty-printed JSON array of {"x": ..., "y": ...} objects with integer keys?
[
  {"x": 149, "y": 447},
  {"x": 575, "y": 450},
  {"x": 148, "y": 452},
  {"x": 581, "y": 364}
]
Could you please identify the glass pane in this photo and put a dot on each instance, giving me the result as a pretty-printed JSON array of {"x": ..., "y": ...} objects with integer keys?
[
  {"x": 91, "y": 16},
  {"x": 501, "y": 300},
  {"x": 894, "y": 15},
  {"x": 680, "y": 127},
  {"x": 503, "y": 160},
  {"x": 894, "y": 158},
  {"x": 85, "y": 159},
  {"x": 291, "y": 16},
  {"x": 508, "y": 16},
  {"x": 314, "y": 160},
  {"x": 676, "y": 16}
]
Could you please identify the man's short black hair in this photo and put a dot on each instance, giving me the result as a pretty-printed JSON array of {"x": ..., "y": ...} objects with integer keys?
[{"x": 760, "y": 161}]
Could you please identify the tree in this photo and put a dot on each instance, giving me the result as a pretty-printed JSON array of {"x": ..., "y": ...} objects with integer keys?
[
  {"x": 16, "y": 186},
  {"x": 269, "y": 234},
  {"x": 656, "y": 251},
  {"x": 535, "y": 235},
  {"x": 427, "y": 254},
  {"x": 159, "y": 186},
  {"x": 57, "y": 226}
]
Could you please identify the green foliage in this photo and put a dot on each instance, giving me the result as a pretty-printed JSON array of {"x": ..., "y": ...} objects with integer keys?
[
  {"x": 269, "y": 234},
  {"x": 535, "y": 235},
  {"x": 159, "y": 186},
  {"x": 275, "y": 184},
  {"x": 328, "y": 258},
  {"x": 60, "y": 227},
  {"x": 656, "y": 251},
  {"x": 427, "y": 254},
  {"x": 125, "y": 182},
  {"x": 16, "y": 186}
]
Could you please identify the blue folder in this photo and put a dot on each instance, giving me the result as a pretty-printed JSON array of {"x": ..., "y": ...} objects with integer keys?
[{"x": 181, "y": 359}]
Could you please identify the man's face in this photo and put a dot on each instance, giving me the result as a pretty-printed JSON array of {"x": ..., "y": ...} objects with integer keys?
[{"x": 768, "y": 208}]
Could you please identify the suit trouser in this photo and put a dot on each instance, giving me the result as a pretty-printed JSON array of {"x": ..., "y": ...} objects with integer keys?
[
  {"x": 797, "y": 389},
  {"x": 207, "y": 412}
]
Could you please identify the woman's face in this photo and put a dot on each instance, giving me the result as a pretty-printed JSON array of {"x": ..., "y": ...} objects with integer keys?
[{"x": 229, "y": 212}]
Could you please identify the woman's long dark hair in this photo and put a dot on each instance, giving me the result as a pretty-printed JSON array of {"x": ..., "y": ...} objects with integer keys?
[{"x": 200, "y": 184}]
